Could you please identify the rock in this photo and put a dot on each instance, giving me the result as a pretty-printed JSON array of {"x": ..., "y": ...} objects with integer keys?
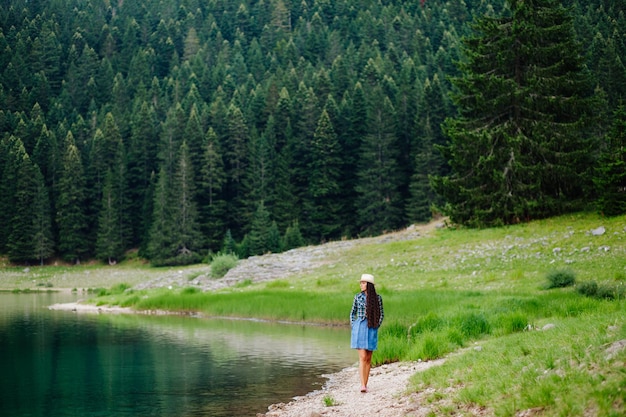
[
  {"x": 615, "y": 348},
  {"x": 598, "y": 231}
]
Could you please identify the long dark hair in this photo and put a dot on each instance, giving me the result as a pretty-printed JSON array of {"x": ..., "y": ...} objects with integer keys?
[{"x": 372, "y": 307}]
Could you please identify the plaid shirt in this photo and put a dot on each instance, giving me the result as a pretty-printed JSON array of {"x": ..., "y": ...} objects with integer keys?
[{"x": 359, "y": 309}]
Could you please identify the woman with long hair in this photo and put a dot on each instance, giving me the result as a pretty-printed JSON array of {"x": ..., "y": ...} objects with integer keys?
[{"x": 365, "y": 319}]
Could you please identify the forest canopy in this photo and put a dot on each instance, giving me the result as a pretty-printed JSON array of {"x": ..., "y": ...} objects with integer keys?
[{"x": 186, "y": 127}]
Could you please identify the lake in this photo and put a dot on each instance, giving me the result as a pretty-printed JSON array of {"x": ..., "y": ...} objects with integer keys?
[{"x": 59, "y": 363}]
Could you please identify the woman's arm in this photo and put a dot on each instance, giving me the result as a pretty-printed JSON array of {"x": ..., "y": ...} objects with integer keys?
[{"x": 353, "y": 313}]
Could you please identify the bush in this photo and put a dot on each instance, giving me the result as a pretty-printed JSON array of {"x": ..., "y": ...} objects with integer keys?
[
  {"x": 560, "y": 279},
  {"x": 189, "y": 291},
  {"x": 587, "y": 288},
  {"x": 605, "y": 291},
  {"x": 221, "y": 264}
]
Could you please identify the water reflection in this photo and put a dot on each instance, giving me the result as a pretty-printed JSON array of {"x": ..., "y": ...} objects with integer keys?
[{"x": 63, "y": 364}]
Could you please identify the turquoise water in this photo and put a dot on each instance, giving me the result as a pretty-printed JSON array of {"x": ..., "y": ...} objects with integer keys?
[{"x": 56, "y": 363}]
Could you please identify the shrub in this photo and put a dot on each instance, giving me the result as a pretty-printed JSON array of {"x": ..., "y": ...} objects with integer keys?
[
  {"x": 560, "y": 279},
  {"x": 604, "y": 291},
  {"x": 222, "y": 264},
  {"x": 587, "y": 288},
  {"x": 189, "y": 291}
]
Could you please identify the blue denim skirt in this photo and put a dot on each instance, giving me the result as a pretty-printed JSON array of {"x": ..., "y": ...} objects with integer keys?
[{"x": 362, "y": 337}]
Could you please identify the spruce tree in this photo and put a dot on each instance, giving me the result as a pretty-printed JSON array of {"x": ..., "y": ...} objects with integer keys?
[
  {"x": 42, "y": 219},
  {"x": 521, "y": 146},
  {"x": 26, "y": 218},
  {"x": 610, "y": 177},
  {"x": 187, "y": 240},
  {"x": 109, "y": 243},
  {"x": 9, "y": 162},
  {"x": 324, "y": 205},
  {"x": 70, "y": 214},
  {"x": 212, "y": 205},
  {"x": 259, "y": 231},
  {"x": 378, "y": 202},
  {"x": 160, "y": 239}
]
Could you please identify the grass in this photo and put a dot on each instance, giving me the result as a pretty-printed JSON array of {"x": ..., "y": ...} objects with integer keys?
[{"x": 524, "y": 314}]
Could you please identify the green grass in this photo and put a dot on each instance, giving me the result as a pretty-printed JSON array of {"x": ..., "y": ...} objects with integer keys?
[{"x": 480, "y": 298}]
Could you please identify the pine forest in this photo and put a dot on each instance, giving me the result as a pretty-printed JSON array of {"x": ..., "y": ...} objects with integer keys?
[{"x": 184, "y": 128}]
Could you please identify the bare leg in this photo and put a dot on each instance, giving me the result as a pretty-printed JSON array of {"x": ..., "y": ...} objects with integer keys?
[{"x": 365, "y": 364}]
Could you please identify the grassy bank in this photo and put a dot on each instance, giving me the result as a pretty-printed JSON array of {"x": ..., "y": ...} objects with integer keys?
[{"x": 479, "y": 297}]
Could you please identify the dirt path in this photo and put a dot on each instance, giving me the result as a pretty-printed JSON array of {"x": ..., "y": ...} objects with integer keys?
[{"x": 386, "y": 397}]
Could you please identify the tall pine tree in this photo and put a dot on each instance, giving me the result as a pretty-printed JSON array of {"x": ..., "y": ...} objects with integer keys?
[
  {"x": 70, "y": 214},
  {"x": 610, "y": 178},
  {"x": 520, "y": 147}
]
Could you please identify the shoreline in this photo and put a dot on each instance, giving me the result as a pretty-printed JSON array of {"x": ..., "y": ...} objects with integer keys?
[{"x": 340, "y": 396}]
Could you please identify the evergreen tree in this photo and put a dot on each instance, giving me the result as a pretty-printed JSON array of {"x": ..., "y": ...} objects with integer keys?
[
  {"x": 274, "y": 240},
  {"x": 141, "y": 166},
  {"x": 427, "y": 161},
  {"x": 378, "y": 201},
  {"x": 324, "y": 204},
  {"x": 175, "y": 238},
  {"x": 10, "y": 150},
  {"x": 610, "y": 178},
  {"x": 161, "y": 232},
  {"x": 22, "y": 240},
  {"x": 235, "y": 147},
  {"x": 109, "y": 243},
  {"x": 520, "y": 147},
  {"x": 229, "y": 246},
  {"x": 259, "y": 231},
  {"x": 293, "y": 238},
  {"x": 42, "y": 219},
  {"x": 70, "y": 215},
  {"x": 212, "y": 205}
]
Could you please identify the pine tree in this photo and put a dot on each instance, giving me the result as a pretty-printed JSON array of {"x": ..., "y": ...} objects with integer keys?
[
  {"x": 427, "y": 161},
  {"x": 259, "y": 231},
  {"x": 26, "y": 219},
  {"x": 70, "y": 214},
  {"x": 10, "y": 147},
  {"x": 293, "y": 237},
  {"x": 324, "y": 205},
  {"x": 161, "y": 232},
  {"x": 212, "y": 205},
  {"x": 109, "y": 243},
  {"x": 187, "y": 237},
  {"x": 610, "y": 177},
  {"x": 235, "y": 147},
  {"x": 520, "y": 147},
  {"x": 142, "y": 165},
  {"x": 42, "y": 219},
  {"x": 379, "y": 178}
]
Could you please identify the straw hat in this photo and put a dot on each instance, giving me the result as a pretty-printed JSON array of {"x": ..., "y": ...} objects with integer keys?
[{"x": 367, "y": 278}]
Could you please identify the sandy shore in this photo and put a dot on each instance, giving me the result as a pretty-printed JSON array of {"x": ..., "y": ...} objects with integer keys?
[
  {"x": 78, "y": 307},
  {"x": 387, "y": 394}
]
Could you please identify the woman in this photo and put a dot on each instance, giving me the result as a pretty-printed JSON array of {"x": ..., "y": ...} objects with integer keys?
[{"x": 366, "y": 317}]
